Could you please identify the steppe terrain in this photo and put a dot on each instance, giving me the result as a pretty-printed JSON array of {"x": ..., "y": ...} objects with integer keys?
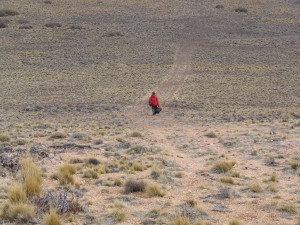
[{"x": 75, "y": 77}]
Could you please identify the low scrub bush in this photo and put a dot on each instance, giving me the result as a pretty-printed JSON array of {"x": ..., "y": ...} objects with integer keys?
[
  {"x": 93, "y": 161},
  {"x": 76, "y": 161},
  {"x": 137, "y": 150},
  {"x": 133, "y": 185}
]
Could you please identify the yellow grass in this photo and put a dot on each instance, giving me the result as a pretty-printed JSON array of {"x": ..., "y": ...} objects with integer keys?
[
  {"x": 52, "y": 218},
  {"x": 17, "y": 194}
]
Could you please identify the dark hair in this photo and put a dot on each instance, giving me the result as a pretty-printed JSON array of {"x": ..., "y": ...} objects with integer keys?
[{"x": 153, "y": 92}]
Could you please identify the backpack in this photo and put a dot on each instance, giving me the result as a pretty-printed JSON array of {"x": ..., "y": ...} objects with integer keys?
[{"x": 157, "y": 109}]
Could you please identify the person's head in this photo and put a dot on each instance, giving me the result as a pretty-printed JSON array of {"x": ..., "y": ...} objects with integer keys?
[{"x": 153, "y": 92}]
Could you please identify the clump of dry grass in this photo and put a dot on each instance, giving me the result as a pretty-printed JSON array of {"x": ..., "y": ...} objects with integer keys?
[
  {"x": 153, "y": 190},
  {"x": 133, "y": 185},
  {"x": 235, "y": 222},
  {"x": 32, "y": 177},
  {"x": 227, "y": 180},
  {"x": 295, "y": 165},
  {"x": 76, "y": 161},
  {"x": 90, "y": 174},
  {"x": 4, "y": 138},
  {"x": 241, "y": 10},
  {"x": 256, "y": 187},
  {"x": 118, "y": 182},
  {"x": 273, "y": 178},
  {"x": 273, "y": 188},
  {"x": 66, "y": 173},
  {"x": 138, "y": 167},
  {"x": 136, "y": 134},
  {"x": 20, "y": 142},
  {"x": 58, "y": 135},
  {"x": 22, "y": 211},
  {"x": 8, "y": 12},
  {"x": 52, "y": 218},
  {"x": 118, "y": 215},
  {"x": 17, "y": 194},
  {"x": 181, "y": 220},
  {"x": 52, "y": 25},
  {"x": 3, "y": 25},
  {"x": 223, "y": 166},
  {"x": 288, "y": 208}
]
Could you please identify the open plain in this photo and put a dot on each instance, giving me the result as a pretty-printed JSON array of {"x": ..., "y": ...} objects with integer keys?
[{"x": 78, "y": 143}]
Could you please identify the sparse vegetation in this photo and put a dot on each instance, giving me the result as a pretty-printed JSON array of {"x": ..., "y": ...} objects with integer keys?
[
  {"x": 93, "y": 161},
  {"x": 21, "y": 211},
  {"x": 136, "y": 134},
  {"x": 52, "y": 25},
  {"x": 288, "y": 208}
]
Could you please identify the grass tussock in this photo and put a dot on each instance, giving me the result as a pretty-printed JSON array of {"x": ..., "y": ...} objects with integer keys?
[
  {"x": 138, "y": 167},
  {"x": 235, "y": 222},
  {"x": 58, "y": 135},
  {"x": 4, "y": 138},
  {"x": 227, "y": 180},
  {"x": 8, "y": 12},
  {"x": 52, "y": 218},
  {"x": 22, "y": 211},
  {"x": 32, "y": 177},
  {"x": 17, "y": 194},
  {"x": 65, "y": 175},
  {"x": 118, "y": 182},
  {"x": 133, "y": 185},
  {"x": 76, "y": 161},
  {"x": 223, "y": 166},
  {"x": 153, "y": 190},
  {"x": 288, "y": 208},
  {"x": 256, "y": 187},
  {"x": 181, "y": 220},
  {"x": 136, "y": 134},
  {"x": 273, "y": 178},
  {"x": 118, "y": 215},
  {"x": 295, "y": 165},
  {"x": 90, "y": 174}
]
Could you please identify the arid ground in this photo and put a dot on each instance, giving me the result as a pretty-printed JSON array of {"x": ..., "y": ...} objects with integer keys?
[{"x": 75, "y": 77}]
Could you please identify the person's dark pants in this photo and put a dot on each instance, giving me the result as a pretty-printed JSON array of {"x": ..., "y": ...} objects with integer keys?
[{"x": 154, "y": 109}]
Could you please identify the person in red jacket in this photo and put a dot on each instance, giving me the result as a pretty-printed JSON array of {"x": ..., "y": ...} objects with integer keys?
[{"x": 153, "y": 102}]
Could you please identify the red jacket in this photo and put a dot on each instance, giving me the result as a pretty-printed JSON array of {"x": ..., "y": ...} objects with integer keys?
[{"x": 153, "y": 100}]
